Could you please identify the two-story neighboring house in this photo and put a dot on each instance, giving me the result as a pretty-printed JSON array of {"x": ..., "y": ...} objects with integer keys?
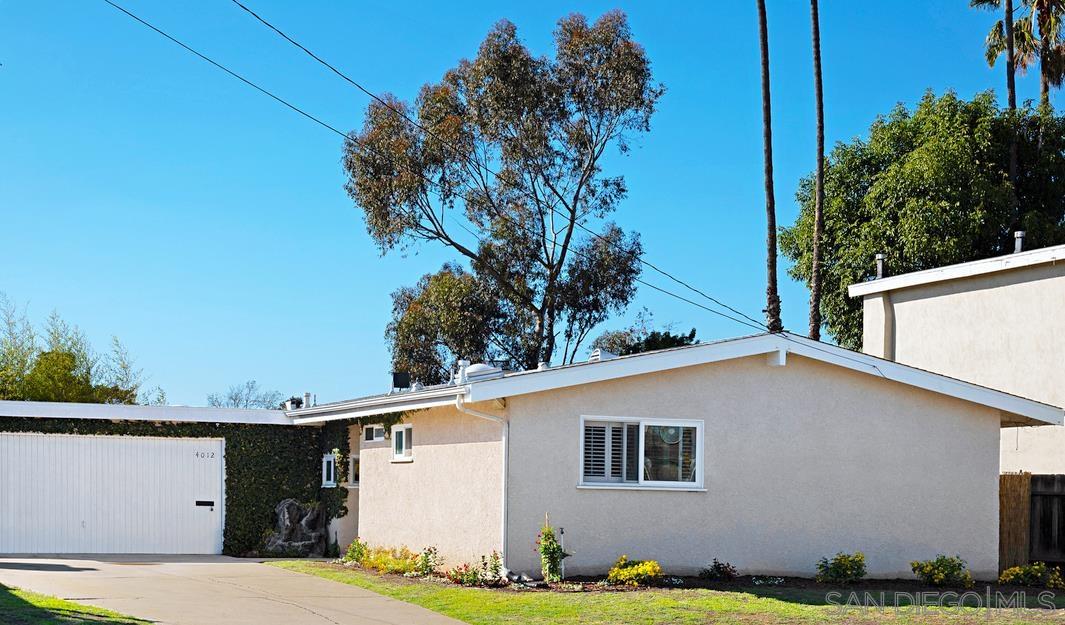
[{"x": 997, "y": 322}]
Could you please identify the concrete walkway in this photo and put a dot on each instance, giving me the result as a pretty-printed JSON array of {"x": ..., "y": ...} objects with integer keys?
[{"x": 208, "y": 590}]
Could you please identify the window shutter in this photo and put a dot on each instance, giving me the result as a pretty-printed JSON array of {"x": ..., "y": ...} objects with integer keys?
[
  {"x": 632, "y": 452},
  {"x": 595, "y": 450},
  {"x": 617, "y": 449}
]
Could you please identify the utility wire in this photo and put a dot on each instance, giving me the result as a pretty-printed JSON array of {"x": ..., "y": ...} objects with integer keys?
[
  {"x": 347, "y": 137},
  {"x": 478, "y": 165}
]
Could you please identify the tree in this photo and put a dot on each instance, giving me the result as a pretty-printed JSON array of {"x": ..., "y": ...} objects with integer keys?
[
  {"x": 508, "y": 147},
  {"x": 929, "y": 187},
  {"x": 59, "y": 364},
  {"x": 1047, "y": 15},
  {"x": 1036, "y": 35},
  {"x": 819, "y": 179},
  {"x": 246, "y": 395},
  {"x": 641, "y": 337},
  {"x": 772, "y": 303}
]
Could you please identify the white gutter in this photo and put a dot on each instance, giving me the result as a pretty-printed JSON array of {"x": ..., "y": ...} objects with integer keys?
[
  {"x": 460, "y": 405},
  {"x": 369, "y": 406}
]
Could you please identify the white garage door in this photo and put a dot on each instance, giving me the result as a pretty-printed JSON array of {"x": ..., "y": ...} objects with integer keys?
[{"x": 110, "y": 494}]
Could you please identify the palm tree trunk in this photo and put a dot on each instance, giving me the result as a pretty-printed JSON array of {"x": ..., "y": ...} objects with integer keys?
[
  {"x": 772, "y": 304},
  {"x": 819, "y": 180},
  {"x": 1011, "y": 94}
]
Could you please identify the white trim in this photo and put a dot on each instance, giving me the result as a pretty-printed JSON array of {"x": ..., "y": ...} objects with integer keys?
[
  {"x": 375, "y": 427},
  {"x": 382, "y": 404},
  {"x": 408, "y": 448},
  {"x": 700, "y": 476},
  {"x": 609, "y": 486},
  {"x": 329, "y": 458},
  {"x": 961, "y": 270},
  {"x": 125, "y": 412}
]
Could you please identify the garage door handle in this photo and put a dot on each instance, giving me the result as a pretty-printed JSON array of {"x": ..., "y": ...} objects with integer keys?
[{"x": 205, "y": 504}]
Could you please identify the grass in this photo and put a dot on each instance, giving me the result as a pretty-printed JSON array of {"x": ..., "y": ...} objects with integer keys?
[
  {"x": 759, "y": 605},
  {"x": 19, "y": 607}
]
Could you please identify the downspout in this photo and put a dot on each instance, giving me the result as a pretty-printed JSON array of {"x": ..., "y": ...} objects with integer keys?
[{"x": 460, "y": 405}]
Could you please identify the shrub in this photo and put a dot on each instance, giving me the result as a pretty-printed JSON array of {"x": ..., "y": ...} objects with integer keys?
[
  {"x": 428, "y": 561},
  {"x": 634, "y": 572},
  {"x": 843, "y": 568},
  {"x": 551, "y": 553},
  {"x": 943, "y": 571},
  {"x": 1034, "y": 574},
  {"x": 719, "y": 572},
  {"x": 490, "y": 573},
  {"x": 355, "y": 553},
  {"x": 389, "y": 560},
  {"x": 464, "y": 575}
]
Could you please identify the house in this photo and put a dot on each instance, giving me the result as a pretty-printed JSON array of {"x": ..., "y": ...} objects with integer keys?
[
  {"x": 768, "y": 451},
  {"x": 997, "y": 322}
]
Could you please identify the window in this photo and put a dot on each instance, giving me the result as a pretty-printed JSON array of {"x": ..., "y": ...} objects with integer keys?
[
  {"x": 402, "y": 442},
  {"x": 373, "y": 433},
  {"x": 623, "y": 451},
  {"x": 329, "y": 471},
  {"x": 353, "y": 471}
]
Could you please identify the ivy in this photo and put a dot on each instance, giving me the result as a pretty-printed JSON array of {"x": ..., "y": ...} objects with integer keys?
[{"x": 264, "y": 464}]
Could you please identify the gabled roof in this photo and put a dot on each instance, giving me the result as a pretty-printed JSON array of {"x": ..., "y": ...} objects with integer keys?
[
  {"x": 124, "y": 412},
  {"x": 961, "y": 270},
  {"x": 1015, "y": 410}
]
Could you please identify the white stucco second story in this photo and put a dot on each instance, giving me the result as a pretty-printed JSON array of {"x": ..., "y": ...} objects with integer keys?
[{"x": 999, "y": 322}]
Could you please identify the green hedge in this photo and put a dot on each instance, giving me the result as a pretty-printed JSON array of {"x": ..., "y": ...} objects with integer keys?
[{"x": 264, "y": 464}]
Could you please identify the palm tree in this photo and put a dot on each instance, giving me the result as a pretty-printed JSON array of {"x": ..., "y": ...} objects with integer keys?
[
  {"x": 1048, "y": 15},
  {"x": 772, "y": 304},
  {"x": 819, "y": 180},
  {"x": 1011, "y": 37}
]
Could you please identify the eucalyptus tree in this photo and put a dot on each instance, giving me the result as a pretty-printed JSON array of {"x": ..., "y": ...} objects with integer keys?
[{"x": 501, "y": 163}]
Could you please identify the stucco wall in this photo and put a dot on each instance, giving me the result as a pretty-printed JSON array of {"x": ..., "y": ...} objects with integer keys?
[
  {"x": 1005, "y": 330},
  {"x": 448, "y": 497},
  {"x": 802, "y": 461}
]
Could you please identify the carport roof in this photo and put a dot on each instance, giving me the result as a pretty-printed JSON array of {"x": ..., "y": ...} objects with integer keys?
[{"x": 124, "y": 412}]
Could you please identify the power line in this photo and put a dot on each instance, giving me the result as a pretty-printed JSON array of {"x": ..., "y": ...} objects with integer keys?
[
  {"x": 462, "y": 154},
  {"x": 347, "y": 137}
]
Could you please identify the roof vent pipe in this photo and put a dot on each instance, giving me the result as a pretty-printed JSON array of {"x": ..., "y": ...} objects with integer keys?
[
  {"x": 880, "y": 270},
  {"x": 306, "y": 400},
  {"x": 1018, "y": 241}
]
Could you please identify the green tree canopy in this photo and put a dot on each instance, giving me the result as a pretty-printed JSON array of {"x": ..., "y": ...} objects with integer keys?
[
  {"x": 59, "y": 364},
  {"x": 642, "y": 336},
  {"x": 929, "y": 187},
  {"x": 507, "y": 148}
]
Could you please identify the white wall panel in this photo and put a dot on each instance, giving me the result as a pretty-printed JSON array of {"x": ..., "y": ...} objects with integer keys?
[{"x": 110, "y": 494}]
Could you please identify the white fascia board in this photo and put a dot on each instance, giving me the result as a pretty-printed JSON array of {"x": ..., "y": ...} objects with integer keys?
[
  {"x": 961, "y": 270},
  {"x": 125, "y": 412},
  {"x": 1036, "y": 412},
  {"x": 574, "y": 375},
  {"x": 367, "y": 407}
]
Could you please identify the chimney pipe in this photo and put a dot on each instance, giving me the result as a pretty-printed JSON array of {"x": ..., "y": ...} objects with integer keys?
[
  {"x": 306, "y": 400},
  {"x": 880, "y": 271},
  {"x": 1018, "y": 241}
]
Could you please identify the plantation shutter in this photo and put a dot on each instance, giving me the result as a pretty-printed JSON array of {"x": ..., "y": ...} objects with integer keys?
[
  {"x": 595, "y": 451},
  {"x": 617, "y": 450},
  {"x": 632, "y": 452}
]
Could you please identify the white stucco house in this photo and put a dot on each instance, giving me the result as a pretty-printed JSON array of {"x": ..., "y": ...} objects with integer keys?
[
  {"x": 768, "y": 451},
  {"x": 998, "y": 322}
]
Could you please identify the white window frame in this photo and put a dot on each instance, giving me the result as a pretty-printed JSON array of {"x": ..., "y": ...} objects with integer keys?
[
  {"x": 640, "y": 483},
  {"x": 328, "y": 459},
  {"x": 408, "y": 450},
  {"x": 352, "y": 459},
  {"x": 378, "y": 433}
]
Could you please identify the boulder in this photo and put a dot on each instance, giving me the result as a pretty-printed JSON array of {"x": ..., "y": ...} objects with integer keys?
[{"x": 300, "y": 531}]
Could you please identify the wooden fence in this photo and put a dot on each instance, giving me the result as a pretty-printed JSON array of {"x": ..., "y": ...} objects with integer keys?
[{"x": 1014, "y": 519}]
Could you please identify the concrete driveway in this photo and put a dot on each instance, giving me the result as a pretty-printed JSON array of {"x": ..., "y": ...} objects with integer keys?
[{"x": 208, "y": 590}]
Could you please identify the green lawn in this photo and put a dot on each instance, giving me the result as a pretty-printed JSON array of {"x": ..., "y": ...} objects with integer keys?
[
  {"x": 18, "y": 607},
  {"x": 652, "y": 607}
]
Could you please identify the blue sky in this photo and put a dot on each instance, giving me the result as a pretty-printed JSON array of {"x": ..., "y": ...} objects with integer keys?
[{"x": 146, "y": 194}]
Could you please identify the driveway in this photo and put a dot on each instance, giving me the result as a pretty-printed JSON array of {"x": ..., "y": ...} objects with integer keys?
[{"x": 209, "y": 590}]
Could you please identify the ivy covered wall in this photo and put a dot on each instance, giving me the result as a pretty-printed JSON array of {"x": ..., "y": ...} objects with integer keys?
[{"x": 264, "y": 464}]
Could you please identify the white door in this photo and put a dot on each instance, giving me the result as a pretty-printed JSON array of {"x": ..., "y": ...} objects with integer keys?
[{"x": 110, "y": 494}]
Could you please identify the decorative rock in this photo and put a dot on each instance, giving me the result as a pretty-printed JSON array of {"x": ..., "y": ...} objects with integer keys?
[{"x": 300, "y": 531}]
